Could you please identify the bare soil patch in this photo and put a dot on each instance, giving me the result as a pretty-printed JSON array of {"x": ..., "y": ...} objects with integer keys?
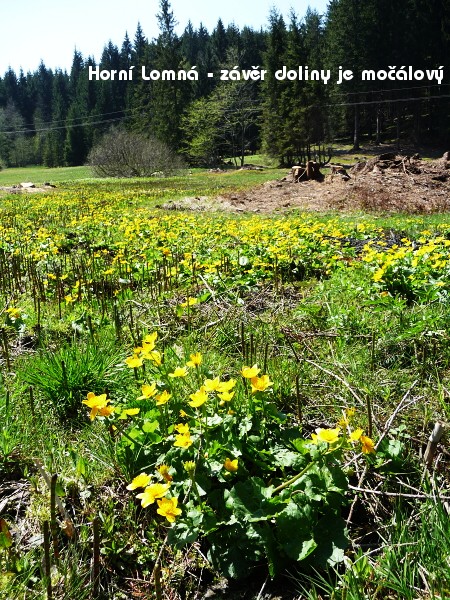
[{"x": 388, "y": 182}]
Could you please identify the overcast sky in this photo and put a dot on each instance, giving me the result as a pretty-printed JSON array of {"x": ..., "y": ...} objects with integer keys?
[{"x": 50, "y": 30}]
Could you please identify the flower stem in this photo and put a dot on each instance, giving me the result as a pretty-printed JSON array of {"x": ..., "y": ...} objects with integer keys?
[{"x": 293, "y": 479}]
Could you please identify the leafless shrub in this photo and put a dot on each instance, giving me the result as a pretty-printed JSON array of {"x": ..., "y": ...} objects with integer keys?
[{"x": 121, "y": 153}]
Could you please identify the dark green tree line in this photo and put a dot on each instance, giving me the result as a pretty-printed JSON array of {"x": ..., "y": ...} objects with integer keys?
[{"x": 54, "y": 117}]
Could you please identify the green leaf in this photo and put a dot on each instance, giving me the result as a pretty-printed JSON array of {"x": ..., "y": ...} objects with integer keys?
[
  {"x": 251, "y": 500},
  {"x": 294, "y": 531},
  {"x": 5, "y": 535},
  {"x": 149, "y": 426},
  {"x": 332, "y": 541},
  {"x": 183, "y": 533}
]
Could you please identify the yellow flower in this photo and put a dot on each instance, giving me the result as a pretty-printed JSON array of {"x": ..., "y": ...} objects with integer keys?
[
  {"x": 211, "y": 385},
  {"x": 196, "y": 360},
  {"x": 249, "y": 372},
  {"x": 226, "y": 396},
  {"x": 189, "y": 302},
  {"x": 348, "y": 415},
  {"x": 183, "y": 414},
  {"x": 260, "y": 384},
  {"x": 151, "y": 492},
  {"x": 69, "y": 299},
  {"x": 182, "y": 428},
  {"x": 163, "y": 470},
  {"x": 189, "y": 467},
  {"x": 163, "y": 398},
  {"x": 183, "y": 440},
  {"x": 154, "y": 356},
  {"x": 140, "y": 481},
  {"x": 198, "y": 398},
  {"x": 231, "y": 465},
  {"x": 326, "y": 435},
  {"x": 105, "y": 411},
  {"x": 150, "y": 338},
  {"x": 148, "y": 391},
  {"x": 129, "y": 412},
  {"x": 356, "y": 435},
  {"x": 14, "y": 313},
  {"x": 368, "y": 446},
  {"x": 134, "y": 362},
  {"x": 179, "y": 372},
  {"x": 98, "y": 405},
  {"x": 226, "y": 386},
  {"x": 168, "y": 508}
]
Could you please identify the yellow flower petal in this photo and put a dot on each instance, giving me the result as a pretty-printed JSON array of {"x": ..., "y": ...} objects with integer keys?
[{"x": 231, "y": 465}]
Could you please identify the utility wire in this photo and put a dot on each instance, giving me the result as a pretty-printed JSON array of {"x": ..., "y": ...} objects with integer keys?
[{"x": 129, "y": 111}]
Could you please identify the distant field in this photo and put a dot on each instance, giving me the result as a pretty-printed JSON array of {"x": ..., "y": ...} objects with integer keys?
[{"x": 40, "y": 175}]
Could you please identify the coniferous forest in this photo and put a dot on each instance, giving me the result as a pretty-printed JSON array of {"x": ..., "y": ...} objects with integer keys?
[{"x": 54, "y": 117}]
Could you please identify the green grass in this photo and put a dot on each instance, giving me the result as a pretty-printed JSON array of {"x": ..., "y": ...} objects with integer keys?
[{"x": 41, "y": 175}]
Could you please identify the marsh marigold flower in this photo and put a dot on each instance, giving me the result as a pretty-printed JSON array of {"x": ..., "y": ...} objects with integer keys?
[
  {"x": 183, "y": 440},
  {"x": 148, "y": 391},
  {"x": 231, "y": 465},
  {"x": 163, "y": 470},
  {"x": 150, "y": 339},
  {"x": 189, "y": 302},
  {"x": 163, "y": 398},
  {"x": 182, "y": 428},
  {"x": 167, "y": 507},
  {"x": 98, "y": 405},
  {"x": 140, "y": 481},
  {"x": 226, "y": 386},
  {"x": 154, "y": 356},
  {"x": 14, "y": 313},
  {"x": 356, "y": 434},
  {"x": 129, "y": 412},
  {"x": 326, "y": 435},
  {"x": 198, "y": 398},
  {"x": 179, "y": 372},
  {"x": 226, "y": 396},
  {"x": 196, "y": 360},
  {"x": 133, "y": 362},
  {"x": 249, "y": 372},
  {"x": 260, "y": 384},
  {"x": 212, "y": 385},
  {"x": 152, "y": 492},
  {"x": 368, "y": 445}
]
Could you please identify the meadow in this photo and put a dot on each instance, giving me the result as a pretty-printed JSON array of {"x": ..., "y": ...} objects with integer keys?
[{"x": 189, "y": 397}]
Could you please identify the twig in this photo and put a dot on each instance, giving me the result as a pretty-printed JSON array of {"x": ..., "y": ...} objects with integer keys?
[
  {"x": 345, "y": 383},
  {"x": 398, "y": 408},
  {"x": 47, "y": 565},
  {"x": 262, "y": 589},
  {"x": 397, "y": 494},
  {"x": 47, "y": 479},
  {"x": 434, "y": 439},
  {"x": 53, "y": 522},
  {"x": 96, "y": 557}
]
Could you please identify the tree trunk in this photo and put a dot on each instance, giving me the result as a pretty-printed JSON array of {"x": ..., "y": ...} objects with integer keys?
[{"x": 356, "y": 131}]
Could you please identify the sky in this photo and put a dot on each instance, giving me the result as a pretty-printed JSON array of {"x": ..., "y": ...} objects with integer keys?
[{"x": 50, "y": 30}]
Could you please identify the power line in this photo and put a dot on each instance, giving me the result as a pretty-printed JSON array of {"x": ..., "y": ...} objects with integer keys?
[
  {"x": 129, "y": 111},
  {"x": 402, "y": 89},
  {"x": 370, "y": 102},
  {"x": 12, "y": 132},
  {"x": 53, "y": 122}
]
